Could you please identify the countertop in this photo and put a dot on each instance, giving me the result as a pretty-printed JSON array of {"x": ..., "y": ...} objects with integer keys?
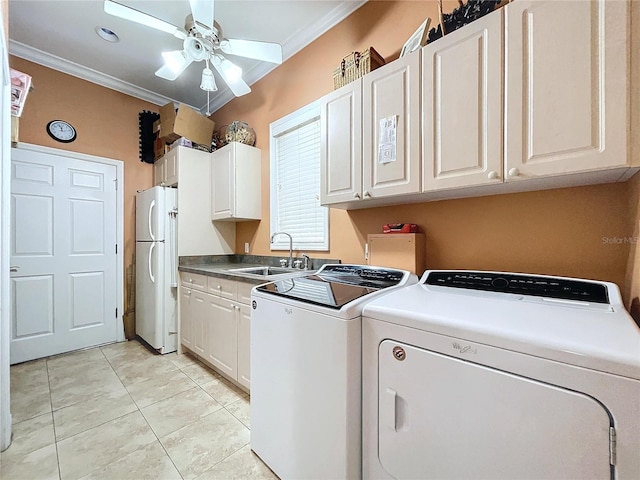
[{"x": 222, "y": 266}]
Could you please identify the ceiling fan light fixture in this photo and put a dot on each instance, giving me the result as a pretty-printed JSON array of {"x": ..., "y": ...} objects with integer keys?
[
  {"x": 176, "y": 60},
  {"x": 208, "y": 83},
  {"x": 230, "y": 70}
]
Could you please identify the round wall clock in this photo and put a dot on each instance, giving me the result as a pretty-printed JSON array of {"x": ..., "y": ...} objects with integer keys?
[{"x": 61, "y": 131}]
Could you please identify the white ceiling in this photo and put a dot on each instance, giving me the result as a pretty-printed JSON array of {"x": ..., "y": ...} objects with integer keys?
[{"x": 61, "y": 34}]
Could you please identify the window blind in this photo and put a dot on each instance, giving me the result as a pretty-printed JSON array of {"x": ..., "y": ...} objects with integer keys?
[{"x": 297, "y": 188}]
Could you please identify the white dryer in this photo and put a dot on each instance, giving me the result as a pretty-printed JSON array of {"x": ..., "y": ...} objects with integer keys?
[{"x": 503, "y": 376}]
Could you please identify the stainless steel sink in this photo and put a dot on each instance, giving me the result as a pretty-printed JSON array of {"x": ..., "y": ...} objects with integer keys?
[{"x": 264, "y": 271}]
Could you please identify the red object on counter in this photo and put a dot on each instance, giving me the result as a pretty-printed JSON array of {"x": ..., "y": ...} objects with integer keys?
[{"x": 400, "y": 228}]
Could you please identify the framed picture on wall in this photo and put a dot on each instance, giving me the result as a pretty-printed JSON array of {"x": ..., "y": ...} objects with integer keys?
[{"x": 417, "y": 40}]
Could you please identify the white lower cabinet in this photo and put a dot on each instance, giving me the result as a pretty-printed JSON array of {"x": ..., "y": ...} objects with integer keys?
[
  {"x": 215, "y": 320},
  {"x": 222, "y": 335}
]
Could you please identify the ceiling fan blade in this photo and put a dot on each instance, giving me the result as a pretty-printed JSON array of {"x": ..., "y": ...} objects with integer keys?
[
  {"x": 128, "y": 13},
  {"x": 176, "y": 62},
  {"x": 228, "y": 72},
  {"x": 266, "y": 51},
  {"x": 202, "y": 11}
]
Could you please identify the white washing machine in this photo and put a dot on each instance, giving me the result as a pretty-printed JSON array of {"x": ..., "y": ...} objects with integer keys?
[
  {"x": 306, "y": 369},
  {"x": 487, "y": 375}
]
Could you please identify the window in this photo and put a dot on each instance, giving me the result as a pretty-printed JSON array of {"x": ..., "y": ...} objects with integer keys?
[{"x": 295, "y": 182}]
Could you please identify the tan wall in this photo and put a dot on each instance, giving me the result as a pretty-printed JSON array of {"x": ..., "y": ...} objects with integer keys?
[
  {"x": 631, "y": 289},
  {"x": 556, "y": 232},
  {"x": 106, "y": 122}
]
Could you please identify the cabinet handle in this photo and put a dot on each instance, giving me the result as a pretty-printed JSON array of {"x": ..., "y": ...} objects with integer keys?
[
  {"x": 493, "y": 175},
  {"x": 367, "y": 194},
  {"x": 13, "y": 268},
  {"x": 219, "y": 287},
  {"x": 356, "y": 195},
  {"x": 191, "y": 280},
  {"x": 514, "y": 172}
]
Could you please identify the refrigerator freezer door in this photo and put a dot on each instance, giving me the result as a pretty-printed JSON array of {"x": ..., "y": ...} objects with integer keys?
[
  {"x": 151, "y": 215},
  {"x": 150, "y": 292}
]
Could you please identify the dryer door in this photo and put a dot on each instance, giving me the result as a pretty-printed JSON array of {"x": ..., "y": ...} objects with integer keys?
[{"x": 441, "y": 417}]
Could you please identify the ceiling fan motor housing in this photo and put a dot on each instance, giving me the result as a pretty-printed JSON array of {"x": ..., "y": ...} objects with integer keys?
[{"x": 197, "y": 48}]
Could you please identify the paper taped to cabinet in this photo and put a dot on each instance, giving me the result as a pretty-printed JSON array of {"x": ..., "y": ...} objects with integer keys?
[{"x": 387, "y": 139}]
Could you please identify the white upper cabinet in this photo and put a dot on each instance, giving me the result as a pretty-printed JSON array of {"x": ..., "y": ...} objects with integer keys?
[
  {"x": 391, "y": 166},
  {"x": 462, "y": 91},
  {"x": 235, "y": 180},
  {"x": 165, "y": 169},
  {"x": 567, "y": 95},
  {"x": 341, "y": 144}
]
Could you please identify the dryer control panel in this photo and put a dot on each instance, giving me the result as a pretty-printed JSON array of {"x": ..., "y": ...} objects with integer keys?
[{"x": 533, "y": 285}]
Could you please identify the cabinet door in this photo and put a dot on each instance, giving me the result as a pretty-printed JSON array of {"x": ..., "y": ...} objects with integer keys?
[
  {"x": 391, "y": 156},
  {"x": 171, "y": 168},
  {"x": 222, "y": 335},
  {"x": 341, "y": 145},
  {"x": 186, "y": 322},
  {"x": 198, "y": 307},
  {"x": 462, "y": 91},
  {"x": 223, "y": 183},
  {"x": 244, "y": 346},
  {"x": 566, "y": 79},
  {"x": 159, "y": 174}
]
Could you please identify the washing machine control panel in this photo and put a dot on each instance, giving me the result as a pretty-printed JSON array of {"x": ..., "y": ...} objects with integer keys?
[
  {"x": 534, "y": 285},
  {"x": 363, "y": 275}
]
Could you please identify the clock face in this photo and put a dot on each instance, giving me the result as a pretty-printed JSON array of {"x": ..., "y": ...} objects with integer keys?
[{"x": 61, "y": 131}]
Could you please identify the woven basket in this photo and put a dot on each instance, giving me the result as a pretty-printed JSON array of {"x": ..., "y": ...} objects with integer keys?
[{"x": 355, "y": 65}]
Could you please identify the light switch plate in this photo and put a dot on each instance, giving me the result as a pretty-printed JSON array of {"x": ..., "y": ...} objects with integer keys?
[{"x": 246, "y": 247}]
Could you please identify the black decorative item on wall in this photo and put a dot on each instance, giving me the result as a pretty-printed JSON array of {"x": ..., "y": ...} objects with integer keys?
[{"x": 145, "y": 129}]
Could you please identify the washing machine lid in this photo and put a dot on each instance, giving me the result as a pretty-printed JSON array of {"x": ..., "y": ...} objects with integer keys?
[
  {"x": 335, "y": 286},
  {"x": 592, "y": 334}
]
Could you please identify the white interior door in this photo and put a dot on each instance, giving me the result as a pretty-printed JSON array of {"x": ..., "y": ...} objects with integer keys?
[
  {"x": 441, "y": 417},
  {"x": 64, "y": 286}
]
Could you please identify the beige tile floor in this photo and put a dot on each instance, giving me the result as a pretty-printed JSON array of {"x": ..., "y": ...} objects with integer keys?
[{"x": 123, "y": 412}]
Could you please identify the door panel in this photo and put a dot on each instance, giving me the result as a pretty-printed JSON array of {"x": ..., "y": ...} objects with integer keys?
[
  {"x": 341, "y": 145},
  {"x": 392, "y": 91},
  {"x": 471, "y": 421},
  {"x": 566, "y": 74},
  {"x": 462, "y": 92},
  {"x": 149, "y": 291},
  {"x": 223, "y": 195},
  {"x": 64, "y": 292}
]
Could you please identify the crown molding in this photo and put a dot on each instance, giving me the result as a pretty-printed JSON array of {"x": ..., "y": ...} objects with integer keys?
[
  {"x": 65, "y": 66},
  {"x": 290, "y": 47}
]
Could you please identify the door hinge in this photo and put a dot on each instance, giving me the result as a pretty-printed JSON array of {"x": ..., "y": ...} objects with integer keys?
[
  {"x": 116, "y": 248},
  {"x": 115, "y": 182},
  {"x": 116, "y": 313},
  {"x": 612, "y": 446}
]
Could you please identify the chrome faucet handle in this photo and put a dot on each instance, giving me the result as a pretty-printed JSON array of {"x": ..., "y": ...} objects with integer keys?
[
  {"x": 307, "y": 261},
  {"x": 297, "y": 263},
  {"x": 283, "y": 262}
]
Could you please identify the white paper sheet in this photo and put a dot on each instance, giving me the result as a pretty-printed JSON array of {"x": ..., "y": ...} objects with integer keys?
[{"x": 387, "y": 139}]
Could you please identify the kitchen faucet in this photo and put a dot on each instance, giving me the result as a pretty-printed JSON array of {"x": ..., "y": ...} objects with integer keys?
[{"x": 290, "y": 246}]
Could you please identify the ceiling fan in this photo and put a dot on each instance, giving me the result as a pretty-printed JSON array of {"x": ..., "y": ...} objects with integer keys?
[{"x": 202, "y": 40}]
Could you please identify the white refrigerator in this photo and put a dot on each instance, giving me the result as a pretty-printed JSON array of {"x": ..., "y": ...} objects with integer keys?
[{"x": 157, "y": 268}]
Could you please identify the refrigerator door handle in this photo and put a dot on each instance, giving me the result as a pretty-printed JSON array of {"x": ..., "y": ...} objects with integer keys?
[
  {"x": 172, "y": 245},
  {"x": 151, "y": 277},
  {"x": 151, "y": 207}
]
